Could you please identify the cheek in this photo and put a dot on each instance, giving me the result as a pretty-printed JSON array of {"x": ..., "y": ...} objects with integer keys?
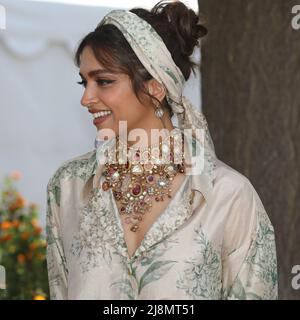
[{"x": 123, "y": 102}]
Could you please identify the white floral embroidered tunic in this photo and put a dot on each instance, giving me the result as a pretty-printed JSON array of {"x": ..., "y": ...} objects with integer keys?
[{"x": 218, "y": 244}]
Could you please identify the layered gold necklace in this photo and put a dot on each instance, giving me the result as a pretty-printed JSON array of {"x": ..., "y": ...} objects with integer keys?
[{"x": 145, "y": 176}]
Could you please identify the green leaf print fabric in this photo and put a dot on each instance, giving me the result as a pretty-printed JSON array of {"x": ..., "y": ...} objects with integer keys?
[{"x": 218, "y": 244}]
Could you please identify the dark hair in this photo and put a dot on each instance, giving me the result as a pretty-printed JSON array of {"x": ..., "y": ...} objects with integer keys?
[{"x": 176, "y": 24}]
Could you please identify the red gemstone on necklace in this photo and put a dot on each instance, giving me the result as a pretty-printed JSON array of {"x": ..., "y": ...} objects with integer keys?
[
  {"x": 117, "y": 195},
  {"x": 136, "y": 190},
  {"x": 123, "y": 209},
  {"x": 150, "y": 178},
  {"x": 111, "y": 171}
]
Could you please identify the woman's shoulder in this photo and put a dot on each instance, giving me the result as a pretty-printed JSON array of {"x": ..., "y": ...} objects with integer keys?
[
  {"x": 76, "y": 167},
  {"x": 231, "y": 180},
  {"x": 236, "y": 191},
  {"x": 243, "y": 208}
]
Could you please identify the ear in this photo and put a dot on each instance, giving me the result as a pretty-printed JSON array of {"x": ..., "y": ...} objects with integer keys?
[{"x": 156, "y": 89}]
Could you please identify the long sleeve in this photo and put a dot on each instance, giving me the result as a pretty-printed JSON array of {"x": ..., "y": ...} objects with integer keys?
[
  {"x": 249, "y": 262},
  {"x": 56, "y": 262}
]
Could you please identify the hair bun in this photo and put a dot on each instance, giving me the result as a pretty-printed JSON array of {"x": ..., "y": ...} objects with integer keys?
[
  {"x": 185, "y": 22},
  {"x": 180, "y": 29}
]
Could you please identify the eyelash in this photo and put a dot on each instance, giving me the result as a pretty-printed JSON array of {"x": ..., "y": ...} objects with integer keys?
[{"x": 100, "y": 82}]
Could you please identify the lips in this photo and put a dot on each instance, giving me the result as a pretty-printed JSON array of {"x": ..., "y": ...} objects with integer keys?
[
  {"x": 100, "y": 115},
  {"x": 99, "y": 120}
]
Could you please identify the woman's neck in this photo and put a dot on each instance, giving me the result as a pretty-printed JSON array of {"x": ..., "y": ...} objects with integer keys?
[{"x": 151, "y": 133}]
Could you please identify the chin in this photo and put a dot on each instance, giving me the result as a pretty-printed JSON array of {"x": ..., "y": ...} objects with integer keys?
[{"x": 110, "y": 129}]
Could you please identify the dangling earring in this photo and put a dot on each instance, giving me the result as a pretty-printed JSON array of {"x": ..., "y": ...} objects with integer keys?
[{"x": 159, "y": 112}]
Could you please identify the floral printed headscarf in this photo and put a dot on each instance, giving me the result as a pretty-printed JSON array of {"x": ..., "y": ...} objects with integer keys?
[{"x": 156, "y": 58}]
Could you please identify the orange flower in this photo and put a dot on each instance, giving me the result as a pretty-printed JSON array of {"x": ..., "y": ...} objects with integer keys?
[
  {"x": 25, "y": 235},
  {"x": 6, "y": 238},
  {"x": 39, "y": 297},
  {"x": 37, "y": 231},
  {"x": 21, "y": 258},
  {"x": 19, "y": 203},
  {"x": 16, "y": 223},
  {"x": 33, "y": 246},
  {"x": 16, "y": 175},
  {"x": 34, "y": 222},
  {"x": 6, "y": 225}
]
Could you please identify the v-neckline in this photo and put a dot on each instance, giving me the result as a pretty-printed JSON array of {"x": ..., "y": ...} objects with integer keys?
[{"x": 146, "y": 241}]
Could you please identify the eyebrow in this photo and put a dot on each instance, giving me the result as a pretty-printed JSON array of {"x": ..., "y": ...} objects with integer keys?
[{"x": 94, "y": 73}]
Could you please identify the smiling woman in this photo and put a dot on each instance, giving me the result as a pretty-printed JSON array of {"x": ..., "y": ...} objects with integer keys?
[
  {"x": 154, "y": 226},
  {"x": 108, "y": 88}
]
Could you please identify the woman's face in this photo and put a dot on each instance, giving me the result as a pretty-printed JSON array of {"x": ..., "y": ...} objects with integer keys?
[{"x": 106, "y": 91}]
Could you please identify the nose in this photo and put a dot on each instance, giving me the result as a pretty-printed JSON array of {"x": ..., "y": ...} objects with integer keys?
[{"x": 89, "y": 98}]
